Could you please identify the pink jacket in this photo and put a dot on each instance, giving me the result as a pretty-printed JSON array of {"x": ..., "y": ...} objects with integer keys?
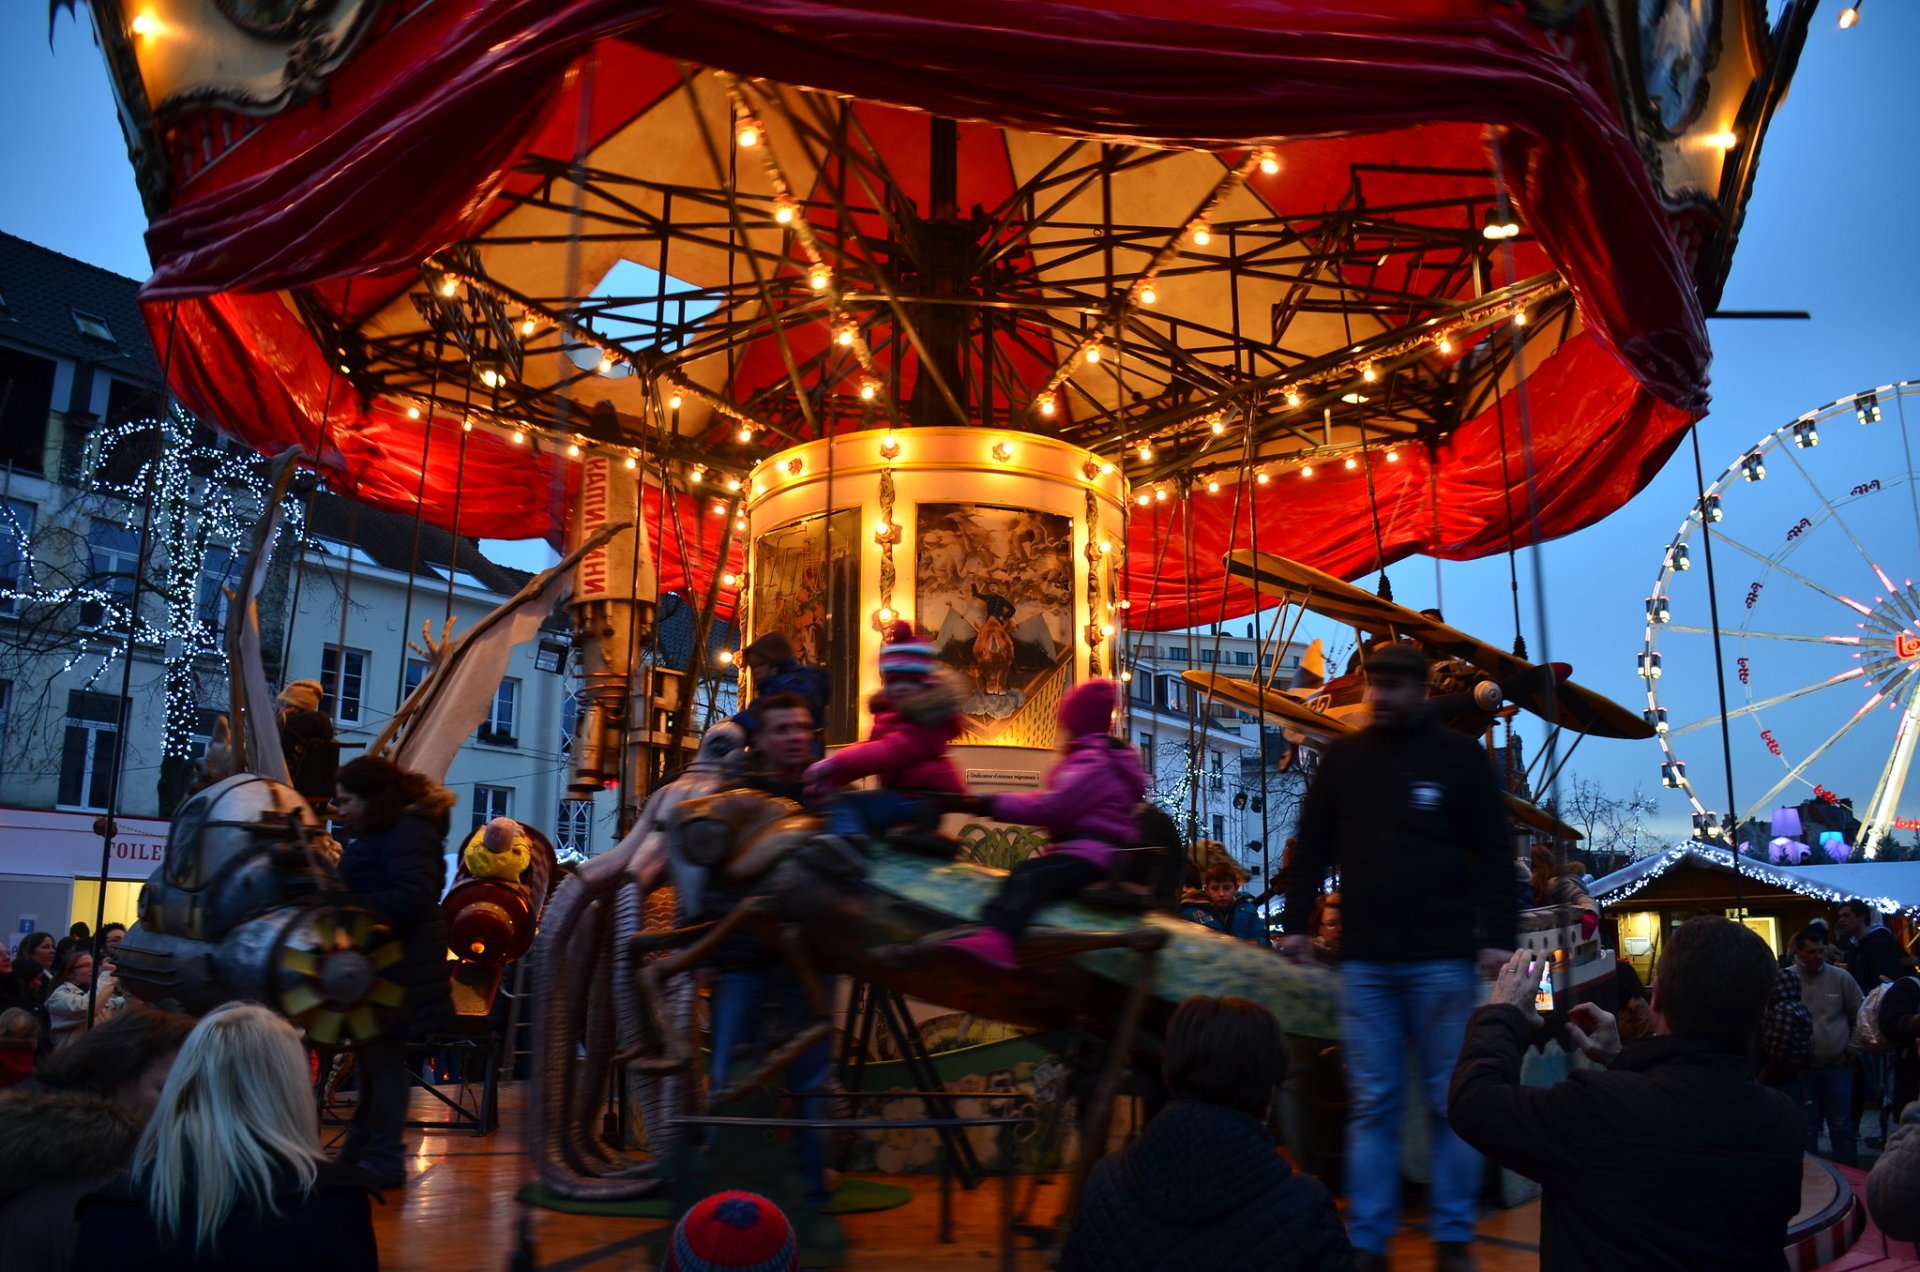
[
  {"x": 907, "y": 749},
  {"x": 1088, "y": 802}
]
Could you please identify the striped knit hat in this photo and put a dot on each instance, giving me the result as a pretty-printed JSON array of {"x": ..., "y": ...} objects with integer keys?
[
  {"x": 903, "y": 651},
  {"x": 741, "y": 1231}
]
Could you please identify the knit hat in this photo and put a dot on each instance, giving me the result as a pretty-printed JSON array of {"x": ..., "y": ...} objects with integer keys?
[
  {"x": 1088, "y": 708},
  {"x": 302, "y": 695},
  {"x": 904, "y": 651},
  {"x": 1396, "y": 658},
  {"x": 737, "y": 1230},
  {"x": 773, "y": 647}
]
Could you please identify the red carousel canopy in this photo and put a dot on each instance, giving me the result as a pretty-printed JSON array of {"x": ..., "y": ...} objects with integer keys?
[{"x": 1345, "y": 157}]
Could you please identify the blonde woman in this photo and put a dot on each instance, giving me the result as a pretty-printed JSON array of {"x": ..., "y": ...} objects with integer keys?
[{"x": 228, "y": 1174}]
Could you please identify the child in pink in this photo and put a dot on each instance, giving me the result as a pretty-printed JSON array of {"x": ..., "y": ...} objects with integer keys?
[
  {"x": 1087, "y": 810},
  {"x": 916, "y": 715}
]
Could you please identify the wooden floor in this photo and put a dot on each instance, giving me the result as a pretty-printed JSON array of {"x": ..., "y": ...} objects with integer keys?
[{"x": 459, "y": 1215}]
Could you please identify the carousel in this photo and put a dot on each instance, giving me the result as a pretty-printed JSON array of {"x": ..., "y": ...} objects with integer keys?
[{"x": 1041, "y": 327}]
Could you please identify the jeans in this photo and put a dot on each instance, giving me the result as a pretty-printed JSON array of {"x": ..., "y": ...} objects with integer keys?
[
  {"x": 1829, "y": 1098},
  {"x": 1384, "y": 1008},
  {"x": 376, "y": 1139},
  {"x": 870, "y": 813},
  {"x": 739, "y": 1016}
]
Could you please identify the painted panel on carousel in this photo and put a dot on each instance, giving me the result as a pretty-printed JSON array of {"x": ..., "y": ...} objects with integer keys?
[
  {"x": 805, "y": 571},
  {"x": 995, "y": 586}
]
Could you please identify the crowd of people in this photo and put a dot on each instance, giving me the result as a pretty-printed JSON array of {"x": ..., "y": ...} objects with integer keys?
[{"x": 131, "y": 1137}]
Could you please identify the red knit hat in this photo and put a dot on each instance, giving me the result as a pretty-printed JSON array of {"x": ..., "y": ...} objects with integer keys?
[{"x": 741, "y": 1231}]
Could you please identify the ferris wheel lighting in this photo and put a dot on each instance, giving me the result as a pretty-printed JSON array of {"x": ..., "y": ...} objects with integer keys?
[
  {"x": 1707, "y": 509},
  {"x": 1753, "y": 468},
  {"x": 1673, "y": 774},
  {"x": 1866, "y": 408},
  {"x": 1805, "y": 435},
  {"x": 1677, "y": 558},
  {"x": 1656, "y": 718},
  {"x": 1707, "y": 826},
  {"x": 1657, "y": 611},
  {"x": 1649, "y": 666}
]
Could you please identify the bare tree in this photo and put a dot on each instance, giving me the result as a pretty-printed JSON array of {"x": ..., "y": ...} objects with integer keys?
[{"x": 1611, "y": 825}]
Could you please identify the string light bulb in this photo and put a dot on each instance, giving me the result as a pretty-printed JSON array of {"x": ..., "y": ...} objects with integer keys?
[
  {"x": 884, "y": 613},
  {"x": 146, "y": 26},
  {"x": 519, "y": 437},
  {"x": 1142, "y": 499},
  {"x": 1306, "y": 470},
  {"x": 1201, "y": 233},
  {"x": 1352, "y": 463},
  {"x": 699, "y": 474},
  {"x": 1444, "y": 344},
  {"x": 1047, "y": 404},
  {"x": 889, "y": 445},
  {"x": 748, "y": 133},
  {"x": 1393, "y": 456},
  {"x": 1002, "y": 451},
  {"x": 1293, "y": 398},
  {"x": 1146, "y": 452},
  {"x": 726, "y": 658},
  {"x": 674, "y": 401},
  {"x": 466, "y": 425},
  {"x": 1217, "y": 425},
  {"x": 1092, "y": 354},
  {"x": 818, "y": 278},
  {"x": 527, "y": 325},
  {"x": 1213, "y": 485},
  {"x": 573, "y": 450},
  {"x": 1270, "y": 163},
  {"x": 745, "y": 434},
  {"x": 869, "y": 389},
  {"x": 1106, "y": 468},
  {"x": 1147, "y": 295},
  {"x": 1849, "y": 18},
  {"x": 783, "y": 211},
  {"x": 1519, "y": 317},
  {"x": 843, "y": 335},
  {"x": 1367, "y": 372},
  {"x": 449, "y": 285},
  {"x": 729, "y": 579},
  {"x": 1260, "y": 477},
  {"x": 606, "y": 364},
  {"x": 413, "y": 412},
  {"x": 733, "y": 483},
  {"x": 633, "y": 462}
]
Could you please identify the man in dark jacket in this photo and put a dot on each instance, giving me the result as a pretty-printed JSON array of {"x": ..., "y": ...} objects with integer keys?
[
  {"x": 1674, "y": 1156},
  {"x": 1410, "y": 813},
  {"x": 1203, "y": 1187},
  {"x": 776, "y": 673}
]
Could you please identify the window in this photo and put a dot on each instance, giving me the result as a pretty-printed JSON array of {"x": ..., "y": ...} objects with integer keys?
[
  {"x": 1209, "y": 655},
  {"x": 1216, "y": 772},
  {"x": 1243, "y": 658},
  {"x": 498, "y": 729},
  {"x": 573, "y": 831},
  {"x": 1143, "y": 688},
  {"x": 26, "y": 400},
  {"x": 217, "y": 574},
  {"x": 127, "y": 402},
  {"x": 345, "y": 682},
  {"x": 115, "y": 550},
  {"x": 415, "y": 673},
  {"x": 490, "y": 802},
  {"x": 16, "y": 536},
  {"x": 94, "y": 326},
  {"x": 1146, "y": 756},
  {"x": 86, "y": 753},
  {"x": 1220, "y": 828},
  {"x": 1177, "y": 653}
]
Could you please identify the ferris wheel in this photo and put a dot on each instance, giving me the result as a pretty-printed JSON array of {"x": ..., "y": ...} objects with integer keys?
[{"x": 1813, "y": 530}]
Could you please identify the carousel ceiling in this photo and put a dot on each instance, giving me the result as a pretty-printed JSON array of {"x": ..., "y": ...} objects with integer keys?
[{"x": 1346, "y": 285}]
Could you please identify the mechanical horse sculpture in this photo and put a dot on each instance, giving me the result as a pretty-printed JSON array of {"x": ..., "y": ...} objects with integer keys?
[{"x": 614, "y": 971}]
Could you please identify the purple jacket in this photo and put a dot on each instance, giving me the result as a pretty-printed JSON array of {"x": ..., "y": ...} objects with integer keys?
[{"x": 1088, "y": 802}]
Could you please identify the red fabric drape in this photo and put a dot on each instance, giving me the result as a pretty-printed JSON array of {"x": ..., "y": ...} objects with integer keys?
[{"x": 404, "y": 153}]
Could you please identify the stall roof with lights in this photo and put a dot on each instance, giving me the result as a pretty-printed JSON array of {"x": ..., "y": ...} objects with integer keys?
[
  {"x": 1892, "y": 887},
  {"x": 1462, "y": 250}
]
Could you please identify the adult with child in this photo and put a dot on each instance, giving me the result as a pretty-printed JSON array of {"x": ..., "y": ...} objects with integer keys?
[
  {"x": 72, "y": 1128},
  {"x": 1827, "y": 1083},
  {"x": 1087, "y": 810},
  {"x": 228, "y": 1173},
  {"x": 1203, "y": 1186},
  {"x": 394, "y": 865},
  {"x": 67, "y": 1002},
  {"x": 776, "y": 673},
  {"x": 1411, "y": 814},
  {"x": 1672, "y": 1156}
]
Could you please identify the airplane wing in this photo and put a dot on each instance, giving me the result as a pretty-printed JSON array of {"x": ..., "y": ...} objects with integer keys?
[{"x": 1570, "y": 705}]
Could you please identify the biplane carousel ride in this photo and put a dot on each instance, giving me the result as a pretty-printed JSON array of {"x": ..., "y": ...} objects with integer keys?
[{"x": 853, "y": 322}]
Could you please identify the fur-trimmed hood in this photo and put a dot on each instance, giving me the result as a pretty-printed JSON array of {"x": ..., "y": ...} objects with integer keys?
[{"x": 47, "y": 1136}]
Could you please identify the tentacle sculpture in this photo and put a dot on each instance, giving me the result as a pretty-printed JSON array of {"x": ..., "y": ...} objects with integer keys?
[{"x": 588, "y": 926}]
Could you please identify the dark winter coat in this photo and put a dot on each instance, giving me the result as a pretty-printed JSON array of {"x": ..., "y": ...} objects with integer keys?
[
  {"x": 1900, "y": 1022},
  {"x": 1893, "y": 1189},
  {"x": 1875, "y": 957},
  {"x": 1203, "y": 1188},
  {"x": 1414, "y": 820},
  {"x": 1675, "y": 1159},
  {"x": 328, "y": 1230},
  {"x": 55, "y": 1148},
  {"x": 809, "y": 684},
  {"x": 399, "y": 873},
  {"x": 1242, "y": 922}
]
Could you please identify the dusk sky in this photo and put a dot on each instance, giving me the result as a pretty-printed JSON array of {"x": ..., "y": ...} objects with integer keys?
[{"x": 1829, "y": 229}]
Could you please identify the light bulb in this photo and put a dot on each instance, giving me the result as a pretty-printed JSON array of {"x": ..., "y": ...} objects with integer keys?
[
  {"x": 697, "y": 475},
  {"x": 1092, "y": 354},
  {"x": 1445, "y": 345},
  {"x": 818, "y": 278},
  {"x": 1046, "y": 403},
  {"x": 1201, "y": 233},
  {"x": 748, "y": 136},
  {"x": 1142, "y": 500},
  {"x": 1367, "y": 373},
  {"x": 1002, "y": 452},
  {"x": 413, "y": 412},
  {"x": 1213, "y": 486},
  {"x": 1306, "y": 470},
  {"x": 448, "y": 286},
  {"x": 633, "y": 462},
  {"x": 606, "y": 365},
  {"x": 1849, "y": 18},
  {"x": 733, "y": 483},
  {"x": 1725, "y": 139},
  {"x": 1293, "y": 399},
  {"x": 889, "y": 446},
  {"x": 1106, "y": 629},
  {"x": 1269, "y": 163},
  {"x": 729, "y": 579},
  {"x": 527, "y": 325},
  {"x": 1106, "y": 546},
  {"x": 146, "y": 26},
  {"x": 869, "y": 388},
  {"x": 1261, "y": 477},
  {"x": 1352, "y": 463},
  {"x": 740, "y": 522},
  {"x": 745, "y": 434},
  {"x": 1148, "y": 296},
  {"x": 573, "y": 450},
  {"x": 1520, "y": 318},
  {"x": 1160, "y": 493},
  {"x": 1125, "y": 604},
  {"x": 1393, "y": 457},
  {"x": 1146, "y": 452},
  {"x": 726, "y": 658},
  {"x": 519, "y": 436},
  {"x": 885, "y": 614},
  {"x": 466, "y": 425},
  {"x": 1218, "y": 426},
  {"x": 1106, "y": 469},
  {"x": 491, "y": 378},
  {"x": 844, "y": 336},
  {"x": 1126, "y": 677}
]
